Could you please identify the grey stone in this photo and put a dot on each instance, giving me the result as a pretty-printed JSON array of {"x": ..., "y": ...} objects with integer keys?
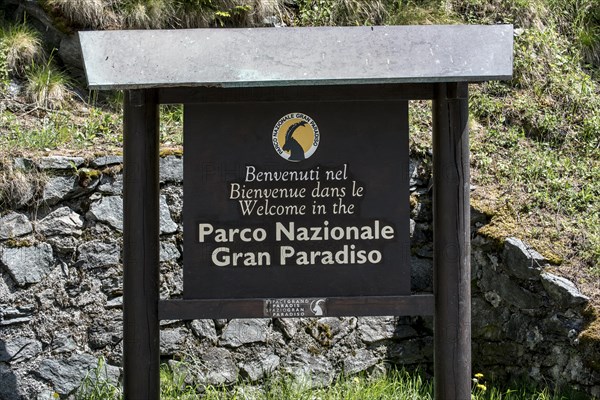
[
  {"x": 521, "y": 261},
  {"x": 167, "y": 225},
  {"x": 45, "y": 394},
  {"x": 66, "y": 375},
  {"x": 563, "y": 291},
  {"x": 374, "y": 329},
  {"x": 508, "y": 290},
  {"x": 243, "y": 331},
  {"x": 533, "y": 337},
  {"x": 14, "y": 225},
  {"x": 108, "y": 210},
  {"x": 218, "y": 368},
  {"x": 171, "y": 169},
  {"x": 310, "y": 371},
  {"x": 60, "y": 163},
  {"x": 505, "y": 353},
  {"x": 58, "y": 188},
  {"x": 331, "y": 330},
  {"x": 562, "y": 325},
  {"x": 421, "y": 274},
  {"x": 361, "y": 361},
  {"x": 97, "y": 254},
  {"x": 105, "y": 161},
  {"x": 414, "y": 173},
  {"x": 493, "y": 298},
  {"x": 63, "y": 244},
  {"x": 63, "y": 343},
  {"x": 15, "y": 315},
  {"x": 172, "y": 341},
  {"x": 28, "y": 264},
  {"x": 69, "y": 52},
  {"x": 422, "y": 212},
  {"x": 411, "y": 351},
  {"x": 205, "y": 329},
  {"x": 111, "y": 184},
  {"x": 117, "y": 302},
  {"x": 65, "y": 187},
  {"x": 289, "y": 326},
  {"x": 260, "y": 367},
  {"x": 220, "y": 323},
  {"x": 105, "y": 333},
  {"x": 487, "y": 321},
  {"x": 62, "y": 221},
  {"x": 19, "y": 349},
  {"x": 23, "y": 163},
  {"x": 168, "y": 252},
  {"x": 422, "y": 233},
  {"x": 9, "y": 385}
]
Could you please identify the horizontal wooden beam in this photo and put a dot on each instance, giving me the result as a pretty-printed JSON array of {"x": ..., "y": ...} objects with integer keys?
[
  {"x": 421, "y": 304},
  {"x": 195, "y": 95}
]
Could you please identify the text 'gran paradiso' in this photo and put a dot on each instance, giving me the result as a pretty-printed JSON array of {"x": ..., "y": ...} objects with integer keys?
[{"x": 292, "y": 243}]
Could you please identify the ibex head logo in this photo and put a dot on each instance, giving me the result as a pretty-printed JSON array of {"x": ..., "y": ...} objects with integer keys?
[
  {"x": 316, "y": 306},
  {"x": 295, "y": 137},
  {"x": 291, "y": 145}
]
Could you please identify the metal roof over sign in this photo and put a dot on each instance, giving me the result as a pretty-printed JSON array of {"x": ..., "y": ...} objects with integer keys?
[{"x": 296, "y": 56}]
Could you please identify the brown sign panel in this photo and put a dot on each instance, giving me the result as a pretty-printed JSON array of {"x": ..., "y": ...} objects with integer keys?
[{"x": 296, "y": 200}]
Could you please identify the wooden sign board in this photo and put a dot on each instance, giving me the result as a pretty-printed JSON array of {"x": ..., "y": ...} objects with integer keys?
[
  {"x": 296, "y": 200},
  {"x": 295, "y": 186}
]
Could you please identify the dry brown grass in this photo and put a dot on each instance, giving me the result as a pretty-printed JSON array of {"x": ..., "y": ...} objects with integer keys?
[
  {"x": 18, "y": 188},
  {"x": 94, "y": 14},
  {"x": 149, "y": 14}
]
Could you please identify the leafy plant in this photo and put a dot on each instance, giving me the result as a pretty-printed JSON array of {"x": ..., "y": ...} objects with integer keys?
[
  {"x": 341, "y": 12},
  {"x": 96, "y": 386}
]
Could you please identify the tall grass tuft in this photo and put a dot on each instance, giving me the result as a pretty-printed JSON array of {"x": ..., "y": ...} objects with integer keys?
[
  {"x": 47, "y": 86},
  {"x": 21, "y": 46}
]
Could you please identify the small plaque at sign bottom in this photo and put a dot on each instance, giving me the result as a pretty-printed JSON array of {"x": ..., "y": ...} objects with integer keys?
[{"x": 296, "y": 307}]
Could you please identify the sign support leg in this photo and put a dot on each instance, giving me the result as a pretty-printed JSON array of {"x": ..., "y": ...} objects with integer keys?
[
  {"x": 451, "y": 219},
  {"x": 141, "y": 246}
]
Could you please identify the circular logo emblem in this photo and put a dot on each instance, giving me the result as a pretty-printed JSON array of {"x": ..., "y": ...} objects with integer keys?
[{"x": 296, "y": 137}]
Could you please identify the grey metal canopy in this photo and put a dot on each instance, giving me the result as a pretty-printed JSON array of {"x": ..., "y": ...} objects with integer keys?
[{"x": 296, "y": 56}]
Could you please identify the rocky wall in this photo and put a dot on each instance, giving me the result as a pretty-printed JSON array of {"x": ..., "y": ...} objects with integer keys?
[{"x": 61, "y": 299}]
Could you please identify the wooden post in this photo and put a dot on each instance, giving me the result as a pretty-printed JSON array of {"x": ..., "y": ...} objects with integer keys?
[
  {"x": 141, "y": 246},
  {"x": 452, "y": 250}
]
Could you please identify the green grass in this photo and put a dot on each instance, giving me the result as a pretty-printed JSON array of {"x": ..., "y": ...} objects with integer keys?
[
  {"x": 395, "y": 385},
  {"x": 538, "y": 144}
]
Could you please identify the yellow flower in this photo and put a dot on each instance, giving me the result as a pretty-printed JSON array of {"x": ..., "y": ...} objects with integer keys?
[
  {"x": 355, "y": 380},
  {"x": 56, "y": 395},
  {"x": 479, "y": 375},
  {"x": 481, "y": 387}
]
